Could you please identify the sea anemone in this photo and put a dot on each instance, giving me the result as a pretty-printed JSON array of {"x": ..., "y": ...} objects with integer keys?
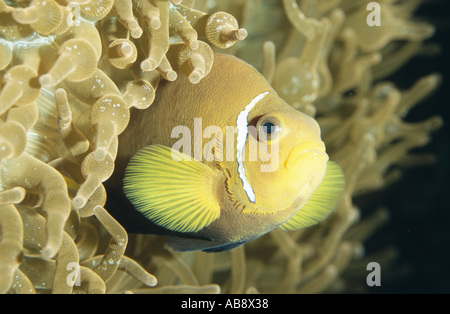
[{"x": 71, "y": 71}]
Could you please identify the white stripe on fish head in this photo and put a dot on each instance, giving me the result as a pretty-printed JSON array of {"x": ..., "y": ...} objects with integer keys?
[{"x": 242, "y": 133}]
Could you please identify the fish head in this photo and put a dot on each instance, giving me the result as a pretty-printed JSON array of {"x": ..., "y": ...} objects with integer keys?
[{"x": 290, "y": 161}]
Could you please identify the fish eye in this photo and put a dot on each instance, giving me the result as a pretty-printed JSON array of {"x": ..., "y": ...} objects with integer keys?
[{"x": 269, "y": 128}]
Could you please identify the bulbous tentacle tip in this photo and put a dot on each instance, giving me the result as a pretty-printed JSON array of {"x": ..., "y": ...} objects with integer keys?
[
  {"x": 51, "y": 248},
  {"x": 139, "y": 94},
  {"x": 25, "y": 15},
  {"x": 48, "y": 252},
  {"x": 155, "y": 23},
  {"x": 241, "y": 34},
  {"x": 171, "y": 76},
  {"x": 12, "y": 140},
  {"x": 126, "y": 49},
  {"x": 122, "y": 53},
  {"x": 194, "y": 44},
  {"x": 100, "y": 153},
  {"x": 12, "y": 196},
  {"x": 47, "y": 81},
  {"x": 132, "y": 24},
  {"x": 222, "y": 30},
  {"x": 79, "y": 202},
  {"x": 195, "y": 76},
  {"x": 136, "y": 33},
  {"x": 148, "y": 65}
]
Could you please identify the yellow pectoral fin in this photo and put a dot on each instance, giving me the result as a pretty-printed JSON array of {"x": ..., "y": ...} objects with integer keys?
[
  {"x": 171, "y": 189},
  {"x": 322, "y": 202}
]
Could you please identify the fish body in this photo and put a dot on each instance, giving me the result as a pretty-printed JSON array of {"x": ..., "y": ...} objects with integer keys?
[{"x": 224, "y": 161}]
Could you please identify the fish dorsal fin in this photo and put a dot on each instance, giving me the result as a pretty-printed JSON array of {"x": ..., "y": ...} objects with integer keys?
[
  {"x": 322, "y": 202},
  {"x": 171, "y": 189}
]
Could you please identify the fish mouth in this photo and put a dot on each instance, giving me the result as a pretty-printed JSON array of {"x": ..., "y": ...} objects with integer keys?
[{"x": 304, "y": 151}]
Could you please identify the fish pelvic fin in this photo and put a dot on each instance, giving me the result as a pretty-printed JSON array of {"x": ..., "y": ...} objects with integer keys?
[{"x": 322, "y": 202}]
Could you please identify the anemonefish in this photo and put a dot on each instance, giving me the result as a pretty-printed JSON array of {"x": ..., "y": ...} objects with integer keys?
[{"x": 240, "y": 192}]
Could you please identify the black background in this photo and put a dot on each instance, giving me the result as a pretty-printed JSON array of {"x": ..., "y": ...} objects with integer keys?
[{"x": 420, "y": 202}]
